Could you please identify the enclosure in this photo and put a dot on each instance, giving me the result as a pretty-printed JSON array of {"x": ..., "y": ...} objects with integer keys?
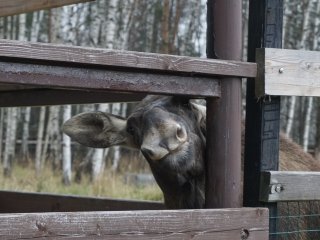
[{"x": 59, "y": 74}]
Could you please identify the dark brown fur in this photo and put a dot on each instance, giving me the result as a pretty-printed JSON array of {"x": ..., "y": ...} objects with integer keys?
[{"x": 179, "y": 174}]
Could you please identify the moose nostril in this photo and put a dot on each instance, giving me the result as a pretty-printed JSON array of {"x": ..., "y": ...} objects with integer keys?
[{"x": 148, "y": 153}]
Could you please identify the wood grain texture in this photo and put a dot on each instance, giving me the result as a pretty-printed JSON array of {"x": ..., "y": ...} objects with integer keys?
[
  {"x": 262, "y": 117},
  {"x": 26, "y": 97},
  {"x": 98, "y": 79},
  {"x": 9, "y": 7},
  {"x": 210, "y": 224},
  {"x": 135, "y": 60},
  {"x": 223, "y": 157},
  {"x": 21, "y": 202},
  {"x": 288, "y": 72},
  {"x": 289, "y": 186}
]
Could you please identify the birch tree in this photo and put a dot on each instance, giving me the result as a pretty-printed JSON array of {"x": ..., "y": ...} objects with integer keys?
[
  {"x": 55, "y": 137},
  {"x": 1, "y": 130},
  {"x": 98, "y": 156},
  {"x": 38, "y": 160},
  {"x": 9, "y": 150},
  {"x": 37, "y": 18},
  {"x": 308, "y": 42},
  {"x": 307, "y": 124},
  {"x": 66, "y": 149},
  {"x": 116, "y": 110},
  {"x": 25, "y": 135},
  {"x": 292, "y": 101}
]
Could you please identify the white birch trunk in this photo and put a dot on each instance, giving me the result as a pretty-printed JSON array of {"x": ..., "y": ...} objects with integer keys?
[
  {"x": 54, "y": 26},
  {"x": 66, "y": 149},
  {"x": 94, "y": 26},
  {"x": 25, "y": 134},
  {"x": 38, "y": 164},
  {"x": 69, "y": 20},
  {"x": 14, "y": 122},
  {"x": 307, "y": 125},
  {"x": 36, "y": 21},
  {"x": 47, "y": 135},
  {"x": 22, "y": 26},
  {"x": 98, "y": 156},
  {"x": 111, "y": 23},
  {"x": 306, "y": 41},
  {"x": 1, "y": 130},
  {"x": 291, "y": 115},
  {"x": 55, "y": 137},
  {"x": 116, "y": 110},
  {"x": 9, "y": 151},
  {"x": 317, "y": 29},
  {"x": 7, "y": 146}
]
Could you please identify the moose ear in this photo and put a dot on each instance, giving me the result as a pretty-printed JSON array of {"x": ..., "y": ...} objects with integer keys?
[
  {"x": 200, "y": 114},
  {"x": 97, "y": 129}
]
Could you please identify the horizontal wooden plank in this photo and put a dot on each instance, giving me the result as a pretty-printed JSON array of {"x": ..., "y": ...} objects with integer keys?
[
  {"x": 288, "y": 72},
  {"x": 116, "y": 58},
  {"x": 60, "y": 96},
  {"x": 279, "y": 186},
  {"x": 9, "y": 7},
  {"x": 93, "y": 79},
  {"x": 22, "y": 202},
  {"x": 222, "y": 224}
]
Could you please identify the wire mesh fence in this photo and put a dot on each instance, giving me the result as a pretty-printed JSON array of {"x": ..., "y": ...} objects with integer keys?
[{"x": 297, "y": 221}]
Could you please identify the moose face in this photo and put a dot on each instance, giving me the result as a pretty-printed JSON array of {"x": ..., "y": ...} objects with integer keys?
[{"x": 168, "y": 131}]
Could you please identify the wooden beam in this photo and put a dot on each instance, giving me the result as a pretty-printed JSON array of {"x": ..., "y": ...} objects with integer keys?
[
  {"x": 222, "y": 224},
  {"x": 9, "y": 7},
  {"x": 134, "y": 60},
  {"x": 261, "y": 151},
  {"x": 27, "y": 97},
  {"x": 21, "y": 202},
  {"x": 288, "y": 72},
  {"x": 289, "y": 186},
  {"x": 98, "y": 79}
]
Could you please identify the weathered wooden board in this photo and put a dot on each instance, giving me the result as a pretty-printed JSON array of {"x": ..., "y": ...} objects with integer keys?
[
  {"x": 288, "y": 72},
  {"x": 261, "y": 151},
  {"x": 93, "y": 79},
  {"x": 222, "y": 224},
  {"x": 289, "y": 186},
  {"x": 135, "y": 60},
  {"x": 12, "y": 7},
  {"x": 22, "y": 202},
  {"x": 27, "y": 97}
]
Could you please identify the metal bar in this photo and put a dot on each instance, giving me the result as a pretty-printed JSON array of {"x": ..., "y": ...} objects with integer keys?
[{"x": 223, "y": 182}]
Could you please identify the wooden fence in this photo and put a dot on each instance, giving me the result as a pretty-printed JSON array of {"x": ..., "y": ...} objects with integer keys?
[
  {"x": 246, "y": 223},
  {"x": 62, "y": 75}
]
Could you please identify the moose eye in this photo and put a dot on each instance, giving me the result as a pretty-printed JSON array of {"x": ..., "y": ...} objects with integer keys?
[
  {"x": 181, "y": 134},
  {"x": 130, "y": 130}
]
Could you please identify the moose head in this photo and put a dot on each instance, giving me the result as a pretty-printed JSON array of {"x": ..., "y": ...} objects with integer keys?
[{"x": 170, "y": 133}]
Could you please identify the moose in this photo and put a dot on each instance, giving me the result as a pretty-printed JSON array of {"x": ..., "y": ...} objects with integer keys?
[{"x": 171, "y": 134}]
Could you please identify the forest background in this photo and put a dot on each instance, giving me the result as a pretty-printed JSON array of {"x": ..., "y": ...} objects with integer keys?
[{"x": 36, "y": 156}]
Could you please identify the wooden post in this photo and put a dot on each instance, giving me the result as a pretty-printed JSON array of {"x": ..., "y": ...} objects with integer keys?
[
  {"x": 263, "y": 116},
  {"x": 224, "y": 115}
]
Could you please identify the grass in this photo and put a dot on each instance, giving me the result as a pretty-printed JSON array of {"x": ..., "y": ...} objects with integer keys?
[{"x": 109, "y": 185}]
